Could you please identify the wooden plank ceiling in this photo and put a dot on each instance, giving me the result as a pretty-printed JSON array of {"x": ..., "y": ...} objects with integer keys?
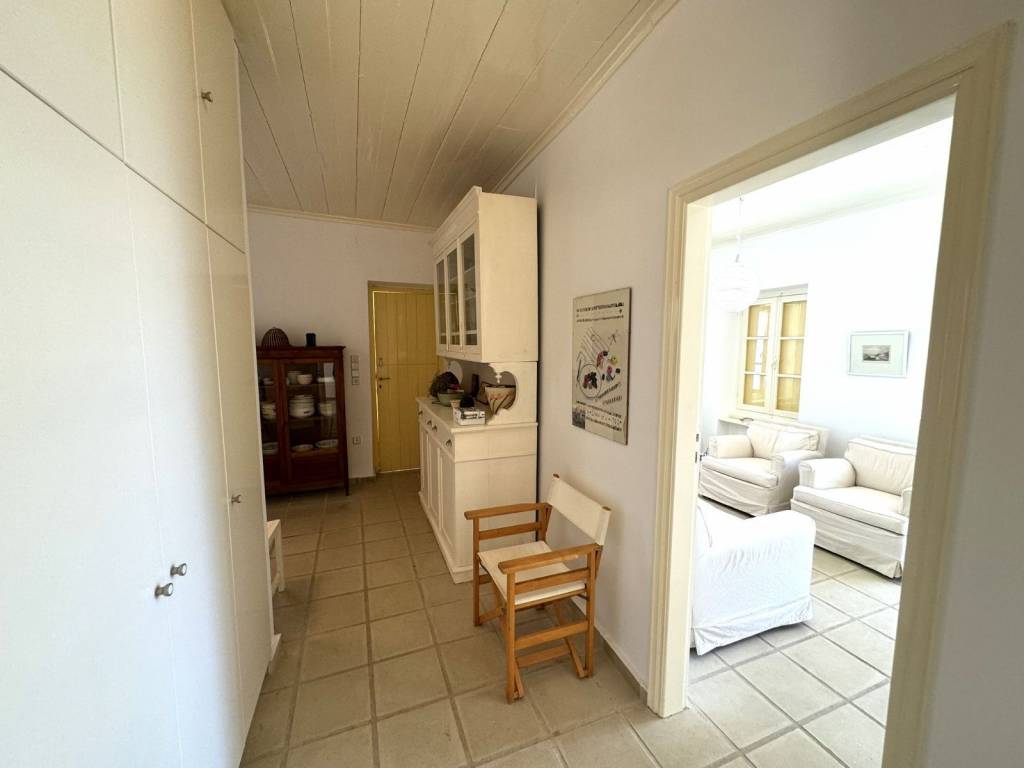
[{"x": 390, "y": 110}]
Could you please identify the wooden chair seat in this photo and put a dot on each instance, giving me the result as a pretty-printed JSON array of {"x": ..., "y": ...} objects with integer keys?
[{"x": 492, "y": 557}]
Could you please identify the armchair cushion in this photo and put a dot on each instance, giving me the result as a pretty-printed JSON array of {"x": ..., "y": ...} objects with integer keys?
[
  {"x": 730, "y": 447},
  {"x": 905, "y": 502},
  {"x": 751, "y": 470},
  {"x": 768, "y": 438},
  {"x": 827, "y": 473},
  {"x": 866, "y": 505},
  {"x": 882, "y": 465},
  {"x": 786, "y": 465},
  {"x": 492, "y": 557}
]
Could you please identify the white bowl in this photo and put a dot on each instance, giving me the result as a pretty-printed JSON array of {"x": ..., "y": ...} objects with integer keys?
[{"x": 305, "y": 378}]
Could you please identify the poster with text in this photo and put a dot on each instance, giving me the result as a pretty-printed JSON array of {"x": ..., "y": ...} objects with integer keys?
[{"x": 600, "y": 351}]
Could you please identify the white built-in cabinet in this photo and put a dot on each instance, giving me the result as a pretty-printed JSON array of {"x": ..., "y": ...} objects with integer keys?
[
  {"x": 485, "y": 279},
  {"x": 127, "y": 391},
  {"x": 485, "y": 298}
]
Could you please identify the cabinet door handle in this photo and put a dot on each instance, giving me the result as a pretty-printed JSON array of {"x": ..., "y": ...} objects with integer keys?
[
  {"x": 429, "y": 422},
  {"x": 434, "y": 427},
  {"x": 179, "y": 570},
  {"x": 236, "y": 498},
  {"x": 448, "y": 443},
  {"x": 163, "y": 590},
  {"x": 207, "y": 96}
]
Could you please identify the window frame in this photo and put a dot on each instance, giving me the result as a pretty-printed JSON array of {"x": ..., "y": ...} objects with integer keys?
[{"x": 776, "y": 299}]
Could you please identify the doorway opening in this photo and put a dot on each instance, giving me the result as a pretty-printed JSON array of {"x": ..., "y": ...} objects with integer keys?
[
  {"x": 404, "y": 361},
  {"x": 762, "y": 375}
]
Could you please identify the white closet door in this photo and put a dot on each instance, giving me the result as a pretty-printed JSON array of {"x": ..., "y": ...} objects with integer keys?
[
  {"x": 85, "y": 671},
  {"x": 219, "y": 120},
  {"x": 181, "y": 363},
  {"x": 159, "y": 102},
  {"x": 236, "y": 358},
  {"x": 63, "y": 51}
]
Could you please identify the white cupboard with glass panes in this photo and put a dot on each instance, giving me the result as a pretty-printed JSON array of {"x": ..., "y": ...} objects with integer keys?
[{"x": 485, "y": 279}]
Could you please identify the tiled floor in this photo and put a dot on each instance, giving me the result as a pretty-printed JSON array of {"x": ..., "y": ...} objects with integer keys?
[{"x": 381, "y": 665}]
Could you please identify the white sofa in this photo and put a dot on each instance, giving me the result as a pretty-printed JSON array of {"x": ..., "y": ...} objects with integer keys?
[
  {"x": 750, "y": 575},
  {"x": 756, "y": 472},
  {"x": 861, "y": 503}
]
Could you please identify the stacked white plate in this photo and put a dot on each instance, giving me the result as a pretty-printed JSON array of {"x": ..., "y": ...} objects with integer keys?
[
  {"x": 269, "y": 411},
  {"x": 330, "y": 443},
  {"x": 328, "y": 408},
  {"x": 269, "y": 448},
  {"x": 301, "y": 406},
  {"x": 302, "y": 448}
]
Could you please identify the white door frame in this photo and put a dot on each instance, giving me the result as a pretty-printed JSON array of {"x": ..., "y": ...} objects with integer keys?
[{"x": 973, "y": 73}]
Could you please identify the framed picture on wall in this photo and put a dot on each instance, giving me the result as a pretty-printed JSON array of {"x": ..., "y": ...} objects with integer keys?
[
  {"x": 879, "y": 353},
  {"x": 600, "y": 360}
]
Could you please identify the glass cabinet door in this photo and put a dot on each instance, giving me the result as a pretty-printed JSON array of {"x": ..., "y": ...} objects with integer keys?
[
  {"x": 470, "y": 304},
  {"x": 452, "y": 290},
  {"x": 312, "y": 411},
  {"x": 269, "y": 407},
  {"x": 442, "y": 303}
]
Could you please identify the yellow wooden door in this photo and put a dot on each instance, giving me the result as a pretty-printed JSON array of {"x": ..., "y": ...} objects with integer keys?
[{"x": 404, "y": 362}]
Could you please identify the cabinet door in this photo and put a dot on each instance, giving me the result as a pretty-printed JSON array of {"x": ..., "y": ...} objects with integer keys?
[
  {"x": 441, "y": 306},
  {"x": 62, "y": 50},
  {"x": 236, "y": 366},
  {"x": 85, "y": 676},
  {"x": 468, "y": 293},
  {"x": 453, "y": 303},
  {"x": 156, "y": 78},
  {"x": 219, "y": 120},
  {"x": 446, "y": 498},
  {"x": 423, "y": 461},
  {"x": 188, "y": 459}
]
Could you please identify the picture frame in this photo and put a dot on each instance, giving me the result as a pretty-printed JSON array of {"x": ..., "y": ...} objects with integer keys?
[
  {"x": 600, "y": 361},
  {"x": 879, "y": 353}
]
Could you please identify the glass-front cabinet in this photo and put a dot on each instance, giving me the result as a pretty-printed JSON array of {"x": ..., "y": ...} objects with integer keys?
[
  {"x": 456, "y": 290},
  {"x": 441, "y": 301},
  {"x": 302, "y": 418},
  {"x": 468, "y": 292}
]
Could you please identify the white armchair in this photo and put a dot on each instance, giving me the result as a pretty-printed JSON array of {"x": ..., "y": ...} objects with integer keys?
[
  {"x": 861, "y": 503},
  {"x": 749, "y": 575},
  {"x": 757, "y": 472}
]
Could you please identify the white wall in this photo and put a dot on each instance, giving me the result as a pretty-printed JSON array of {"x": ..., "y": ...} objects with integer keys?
[
  {"x": 713, "y": 79},
  {"x": 311, "y": 275},
  {"x": 866, "y": 270}
]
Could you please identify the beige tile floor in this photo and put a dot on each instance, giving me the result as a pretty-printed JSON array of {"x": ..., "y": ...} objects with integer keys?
[{"x": 381, "y": 666}]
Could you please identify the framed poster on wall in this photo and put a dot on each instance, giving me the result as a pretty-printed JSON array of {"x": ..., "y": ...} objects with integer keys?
[{"x": 600, "y": 360}]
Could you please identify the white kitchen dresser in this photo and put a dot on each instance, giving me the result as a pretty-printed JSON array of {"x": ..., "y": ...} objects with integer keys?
[
  {"x": 464, "y": 467},
  {"x": 485, "y": 299}
]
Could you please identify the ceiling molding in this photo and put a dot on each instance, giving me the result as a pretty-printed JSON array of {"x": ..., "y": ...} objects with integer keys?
[
  {"x": 340, "y": 219},
  {"x": 629, "y": 43}
]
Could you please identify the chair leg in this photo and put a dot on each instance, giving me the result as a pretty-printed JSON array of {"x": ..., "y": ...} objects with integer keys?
[
  {"x": 510, "y": 654},
  {"x": 476, "y": 590}
]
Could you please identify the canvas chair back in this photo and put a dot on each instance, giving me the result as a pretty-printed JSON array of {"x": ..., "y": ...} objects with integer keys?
[{"x": 583, "y": 512}]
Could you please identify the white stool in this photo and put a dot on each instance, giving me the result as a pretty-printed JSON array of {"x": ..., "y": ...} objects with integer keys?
[{"x": 276, "y": 553}]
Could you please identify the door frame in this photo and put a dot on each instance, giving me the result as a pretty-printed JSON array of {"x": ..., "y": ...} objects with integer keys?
[
  {"x": 975, "y": 75},
  {"x": 385, "y": 287}
]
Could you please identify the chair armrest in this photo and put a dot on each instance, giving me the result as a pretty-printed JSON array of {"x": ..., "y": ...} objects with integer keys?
[
  {"x": 827, "y": 473},
  {"x": 905, "y": 502},
  {"x": 786, "y": 467},
  {"x": 509, "y": 509},
  {"x": 730, "y": 447},
  {"x": 546, "y": 558}
]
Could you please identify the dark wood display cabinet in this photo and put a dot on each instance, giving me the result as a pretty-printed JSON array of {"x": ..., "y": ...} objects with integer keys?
[{"x": 302, "y": 417}]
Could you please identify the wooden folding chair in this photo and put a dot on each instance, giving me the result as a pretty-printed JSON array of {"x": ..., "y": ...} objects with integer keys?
[{"x": 532, "y": 575}]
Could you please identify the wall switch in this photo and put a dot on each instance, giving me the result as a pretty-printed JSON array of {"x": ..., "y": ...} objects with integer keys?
[{"x": 356, "y": 440}]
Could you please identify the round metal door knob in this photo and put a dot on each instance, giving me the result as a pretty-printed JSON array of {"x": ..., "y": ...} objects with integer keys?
[
  {"x": 164, "y": 590},
  {"x": 179, "y": 570}
]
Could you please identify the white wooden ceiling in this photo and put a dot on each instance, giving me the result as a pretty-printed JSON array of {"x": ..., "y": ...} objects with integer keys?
[{"x": 391, "y": 110}]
